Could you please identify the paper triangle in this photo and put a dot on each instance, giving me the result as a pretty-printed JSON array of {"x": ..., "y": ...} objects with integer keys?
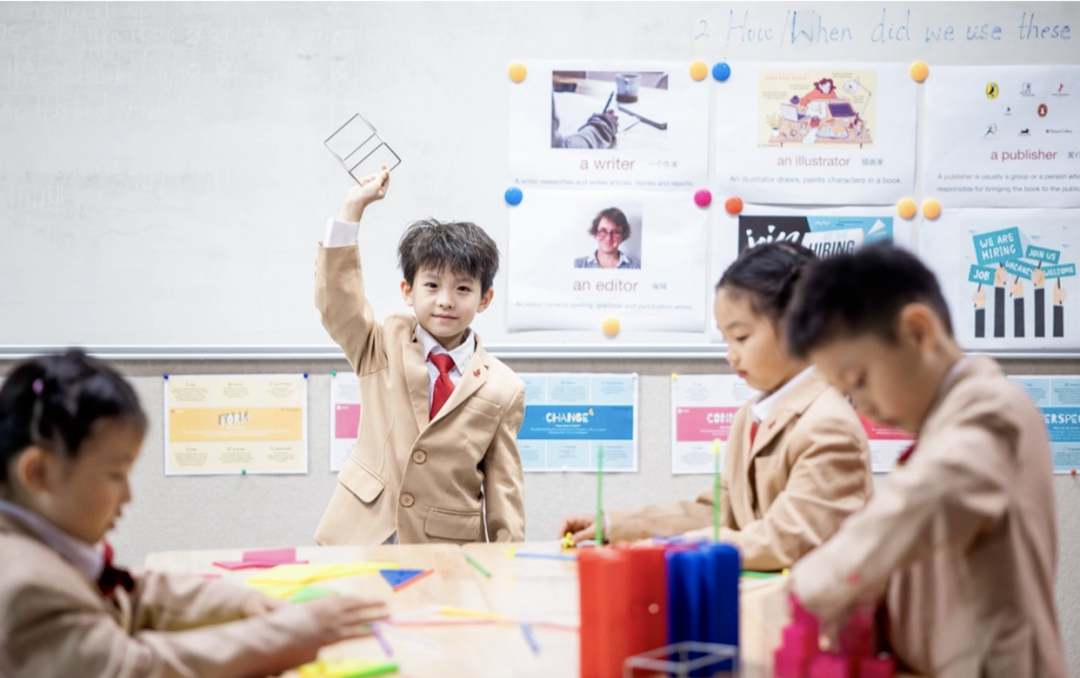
[{"x": 398, "y": 578}]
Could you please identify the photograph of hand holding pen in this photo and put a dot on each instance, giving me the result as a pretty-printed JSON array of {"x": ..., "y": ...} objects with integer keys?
[{"x": 576, "y": 97}]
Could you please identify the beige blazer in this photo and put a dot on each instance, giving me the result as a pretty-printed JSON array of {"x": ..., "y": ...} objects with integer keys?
[
  {"x": 54, "y": 623},
  {"x": 807, "y": 470},
  {"x": 963, "y": 535},
  {"x": 429, "y": 481}
]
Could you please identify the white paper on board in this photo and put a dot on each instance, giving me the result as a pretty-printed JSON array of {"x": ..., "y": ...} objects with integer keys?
[
  {"x": 816, "y": 134},
  {"x": 1003, "y": 136}
]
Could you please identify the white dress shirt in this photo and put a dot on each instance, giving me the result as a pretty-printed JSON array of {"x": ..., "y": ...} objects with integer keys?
[{"x": 764, "y": 407}]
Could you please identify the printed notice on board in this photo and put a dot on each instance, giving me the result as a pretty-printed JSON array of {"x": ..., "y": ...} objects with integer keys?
[
  {"x": 344, "y": 417},
  {"x": 569, "y": 417},
  {"x": 235, "y": 424},
  {"x": 1009, "y": 276},
  {"x": 609, "y": 124},
  {"x": 1003, "y": 136},
  {"x": 840, "y": 134},
  {"x": 1059, "y": 399},
  {"x": 703, "y": 408},
  {"x": 580, "y": 257}
]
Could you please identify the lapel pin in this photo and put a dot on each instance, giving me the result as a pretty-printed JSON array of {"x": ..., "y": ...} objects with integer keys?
[{"x": 476, "y": 373}]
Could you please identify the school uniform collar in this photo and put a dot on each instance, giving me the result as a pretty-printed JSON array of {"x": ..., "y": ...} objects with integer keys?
[
  {"x": 461, "y": 355},
  {"x": 764, "y": 406},
  {"x": 85, "y": 557},
  {"x": 594, "y": 258}
]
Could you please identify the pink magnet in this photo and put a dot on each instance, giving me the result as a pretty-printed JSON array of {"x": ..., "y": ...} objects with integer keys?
[{"x": 703, "y": 198}]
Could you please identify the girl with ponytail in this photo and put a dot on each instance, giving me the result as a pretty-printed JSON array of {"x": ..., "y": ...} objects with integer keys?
[{"x": 797, "y": 461}]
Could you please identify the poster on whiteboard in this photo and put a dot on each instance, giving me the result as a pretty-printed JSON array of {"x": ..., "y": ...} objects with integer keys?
[
  {"x": 1003, "y": 136},
  {"x": 578, "y": 258},
  {"x": 1009, "y": 276},
  {"x": 345, "y": 411},
  {"x": 243, "y": 424},
  {"x": 824, "y": 230},
  {"x": 828, "y": 134},
  {"x": 609, "y": 124}
]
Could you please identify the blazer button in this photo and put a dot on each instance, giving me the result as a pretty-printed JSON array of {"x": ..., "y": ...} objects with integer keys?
[
  {"x": 407, "y": 500},
  {"x": 419, "y": 456}
]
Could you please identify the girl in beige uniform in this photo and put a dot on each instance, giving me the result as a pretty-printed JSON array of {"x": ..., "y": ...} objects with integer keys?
[{"x": 797, "y": 461}]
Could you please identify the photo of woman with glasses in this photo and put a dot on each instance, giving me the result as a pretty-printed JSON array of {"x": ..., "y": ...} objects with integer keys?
[{"x": 611, "y": 229}]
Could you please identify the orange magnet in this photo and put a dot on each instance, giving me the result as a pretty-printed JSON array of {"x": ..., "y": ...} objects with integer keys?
[
  {"x": 907, "y": 208},
  {"x": 733, "y": 205},
  {"x": 919, "y": 71},
  {"x": 698, "y": 70},
  {"x": 518, "y": 71},
  {"x": 931, "y": 208},
  {"x": 610, "y": 326}
]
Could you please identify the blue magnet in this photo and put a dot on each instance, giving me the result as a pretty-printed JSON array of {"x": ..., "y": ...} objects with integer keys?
[
  {"x": 721, "y": 71},
  {"x": 513, "y": 196}
]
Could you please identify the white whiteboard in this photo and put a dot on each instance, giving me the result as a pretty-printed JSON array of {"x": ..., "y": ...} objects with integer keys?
[{"x": 163, "y": 181}]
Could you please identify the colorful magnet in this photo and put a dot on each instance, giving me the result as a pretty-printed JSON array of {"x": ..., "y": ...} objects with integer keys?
[
  {"x": 931, "y": 208},
  {"x": 907, "y": 208},
  {"x": 721, "y": 71},
  {"x": 610, "y": 326},
  {"x": 698, "y": 70},
  {"x": 919, "y": 71},
  {"x": 703, "y": 197},
  {"x": 518, "y": 71},
  {"x": 733, "y": 205},
  {"x": 513, "y": 196}
]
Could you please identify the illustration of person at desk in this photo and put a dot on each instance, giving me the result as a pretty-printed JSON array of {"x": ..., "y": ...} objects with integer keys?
[{"x": 821, "y": 114}]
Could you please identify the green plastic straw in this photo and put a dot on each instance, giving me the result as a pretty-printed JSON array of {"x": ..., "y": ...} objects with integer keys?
[{"x": 600, "y": 497}]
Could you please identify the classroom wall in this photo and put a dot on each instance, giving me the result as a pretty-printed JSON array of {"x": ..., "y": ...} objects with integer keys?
[{"x": 181, "y": 513}]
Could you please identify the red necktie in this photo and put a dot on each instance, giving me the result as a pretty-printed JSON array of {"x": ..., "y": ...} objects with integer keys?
[
  {"x": 906, "y": 454},
  {"x": 112, "y": 577},
  {"x": 753, "y": 432},
  {"x": 443, "y": 386}
]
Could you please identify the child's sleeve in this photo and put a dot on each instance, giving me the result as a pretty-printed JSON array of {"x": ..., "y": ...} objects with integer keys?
[
  {"x": 57, "y": 633},
  {"x": 663, "y": 521},
  {"x": 827, "y": 483},
  {"x": 346, "y": 313},
  {"x": 952, "y": 489},
  {"x": 170, "y": 602},
  {"x": 504, "y": 482}
]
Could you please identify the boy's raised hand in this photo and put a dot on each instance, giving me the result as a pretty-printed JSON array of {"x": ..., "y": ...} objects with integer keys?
[{"x": 370, "y": 188}]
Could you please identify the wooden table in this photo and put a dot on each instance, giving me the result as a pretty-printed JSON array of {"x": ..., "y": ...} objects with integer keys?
[{"x": 523, "y": 588}]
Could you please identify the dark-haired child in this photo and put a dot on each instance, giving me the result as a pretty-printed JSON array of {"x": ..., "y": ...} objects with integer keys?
[
  {"x": 70, "y": 431},
  {"x": 437, "y": 452},
  {"x": 962, "y": 539},
  {"x": 797, "y": 461}
]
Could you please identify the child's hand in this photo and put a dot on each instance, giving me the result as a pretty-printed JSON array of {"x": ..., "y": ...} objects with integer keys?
[
  {"x": 342, "y": 617},
  {"x": 371, "y": 188},
  {"x": 260, "y": 604},
  {"x": 582, "y": 527}
]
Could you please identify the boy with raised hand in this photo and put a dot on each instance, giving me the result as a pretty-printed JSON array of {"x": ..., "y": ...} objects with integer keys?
[{"x": 437, "y": 452}]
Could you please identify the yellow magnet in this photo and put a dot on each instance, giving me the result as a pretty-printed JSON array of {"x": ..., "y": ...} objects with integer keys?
[
  {"x": 518, "y": 71},
  {"x": 919, "y": 71},
  {"x": 610, "y": 326},
  {"x": 907, "y": 208},
  {"x": 931, "y": 208},
  {"x": 698, "y": 70}
]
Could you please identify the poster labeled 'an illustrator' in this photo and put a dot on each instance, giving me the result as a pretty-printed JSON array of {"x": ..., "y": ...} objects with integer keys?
[
  {"x": 1009, "y": 278},
  {"x": 829, "y": 134}
]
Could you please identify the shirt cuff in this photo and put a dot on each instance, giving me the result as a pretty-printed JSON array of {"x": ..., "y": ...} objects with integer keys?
[{"x": 341, "y": 233}]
